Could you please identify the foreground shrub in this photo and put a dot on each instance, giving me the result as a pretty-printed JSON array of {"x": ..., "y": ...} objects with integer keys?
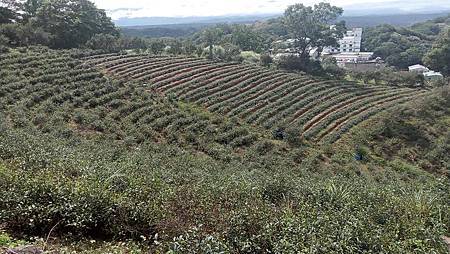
[{"x": 34, "y": 205}]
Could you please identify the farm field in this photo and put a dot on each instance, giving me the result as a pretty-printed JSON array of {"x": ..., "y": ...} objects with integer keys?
[
  {"x": 241, "y": 138},
  {"x": 50, "y": 89},
  {"x": 139, "y": 148},
  {"x": 321, "y": 110}
]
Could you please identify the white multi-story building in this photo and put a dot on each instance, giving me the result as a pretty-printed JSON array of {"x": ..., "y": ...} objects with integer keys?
[
  {"x": 351, "y": 42},
  {"x": 349, "y": 46}
]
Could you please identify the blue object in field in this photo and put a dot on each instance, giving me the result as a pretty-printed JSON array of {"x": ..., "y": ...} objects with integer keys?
[
  {"x": 279, "y": 134},
  {"x": 359, "y": 157}
]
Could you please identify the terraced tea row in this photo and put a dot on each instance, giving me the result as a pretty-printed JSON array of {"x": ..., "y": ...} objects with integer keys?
[
  {"x": 321, "y": 110},
  {"x": 55, "y": 88}
]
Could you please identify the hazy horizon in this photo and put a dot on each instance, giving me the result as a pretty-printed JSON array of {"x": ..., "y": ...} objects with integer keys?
[{"x": 117, "y": 9}]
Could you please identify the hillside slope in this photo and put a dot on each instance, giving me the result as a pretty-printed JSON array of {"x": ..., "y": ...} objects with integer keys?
[
  {"x": 55, "y": 91},
  {"x": 91, "y": 159},
  {"x": 320, "y": 110},
  {"x": 416, "y": 134}
]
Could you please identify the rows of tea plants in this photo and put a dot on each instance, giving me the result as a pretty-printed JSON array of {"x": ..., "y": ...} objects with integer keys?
[
  {"x": 74, "y": 160},
  {"x": 55, "y": 89},
  {"x": 257, "y": 95}
]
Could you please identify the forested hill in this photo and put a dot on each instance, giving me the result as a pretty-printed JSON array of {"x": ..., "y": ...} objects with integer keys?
[
  {"x": 405, "y": 46},
  {"x": 395, "y": 20},
  {"x": 178, "y": 27}
]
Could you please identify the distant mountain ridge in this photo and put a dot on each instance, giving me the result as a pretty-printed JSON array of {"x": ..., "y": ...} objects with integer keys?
[
  {"x": 396, "y": 20},
  {"x": 160, "y": 21},
  {"x": 364, "y": 20},
  {"x": 179, "y": 27}
]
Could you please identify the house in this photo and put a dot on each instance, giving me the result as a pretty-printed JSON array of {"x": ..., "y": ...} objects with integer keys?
[
  {"x": 418, "y": 68},
  {"x": 358, "y": 61},
  {"x": 433, "y": 76},
  {"x": 428, "y": 74},
  {"x": 353, "y": 57}
]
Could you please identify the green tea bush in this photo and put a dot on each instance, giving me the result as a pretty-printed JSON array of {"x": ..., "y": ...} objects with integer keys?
[
  {"x": 177, "y": 178},
  {"x": 76, "y": 204},
  {"x": 194, "y": 241}
]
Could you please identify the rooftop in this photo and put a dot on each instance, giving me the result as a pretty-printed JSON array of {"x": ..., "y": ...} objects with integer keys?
[
  {"x": 417, "y": 66},
  {"x": 355, "y": 54},
  {"x": 432, "y": 73}
]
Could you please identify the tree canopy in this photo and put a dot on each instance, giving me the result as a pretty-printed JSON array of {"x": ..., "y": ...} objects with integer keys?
[
  {"x": 404, "y": 46},
  {"x": 210, "y": 37},
  {"x": 438, "y": 58},
  {"x": 399, "y": 47},
  {"x": 66, "y": 23},
  {"x": 9, "y": 11},
  {"x": 311, "y": 26}
]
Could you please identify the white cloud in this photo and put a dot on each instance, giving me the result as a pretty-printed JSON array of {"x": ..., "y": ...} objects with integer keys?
[{"x": 187, "y": 8}]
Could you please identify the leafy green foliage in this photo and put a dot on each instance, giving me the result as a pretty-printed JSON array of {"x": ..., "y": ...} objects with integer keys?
[
  {"x": 244, "y": 37},
  {"x": 420, "y": 133},
  {"x": 401, "y": 47},
  {"x": 389, "y": 77},
  {"x": 432, "y": 27},
  {"x": 108, "y": 157},
  {"x": 310, "y": 27},
  {"x": 7, "y": 241},
  {"x": 56, "y": 23},
  {"x": 438, "y": 58},
  {"x": 56, "y": 17}
]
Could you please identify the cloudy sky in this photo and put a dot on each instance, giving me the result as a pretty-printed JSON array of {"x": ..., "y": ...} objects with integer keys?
[{"x": 189, "y": 8}]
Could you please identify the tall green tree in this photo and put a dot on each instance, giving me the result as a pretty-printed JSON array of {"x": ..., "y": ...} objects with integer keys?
[
  {"x": 247, "y": 38},
  {"x": 20, "y": 35},
  {"x": 157, "y": 46},
  {"x": 72, "y": 23},
  {"x": 106, "y": 42},
  {"x": 30, "y": 8},
  {"x": 211, "y": 37},
  {"x": 310, "y": 27},
  {"x": 175, "y": 47},
  {"x": 4, "y": 42},
  {"x": 231, "y": 52},
  {"x": 189, "y": 47},
  {"x": 438, "y": 58}
]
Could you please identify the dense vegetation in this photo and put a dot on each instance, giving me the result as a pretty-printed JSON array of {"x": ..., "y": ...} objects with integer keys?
[
  {"x": 59, "y": 24},
  {"x": 49, "y": 82},
  {"x": 438, "y": 57},
  {"x": 176, "y": 146},
  {"x": 103, "y": 165},
  {"x": 404, "y": 46},
  {"x": 164, "y": 31},
  {"x": 318, "y": 110},
  {"x": 185, "y": 27}
]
